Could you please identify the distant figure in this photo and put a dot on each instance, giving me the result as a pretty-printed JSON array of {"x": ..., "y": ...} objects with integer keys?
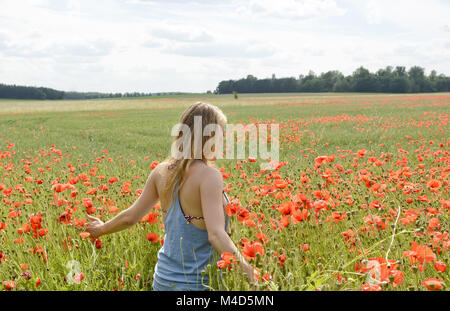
[{"x": 192, "y": 202}]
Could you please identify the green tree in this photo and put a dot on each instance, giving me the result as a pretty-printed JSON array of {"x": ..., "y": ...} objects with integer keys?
[{"x": 417, "y": 79}]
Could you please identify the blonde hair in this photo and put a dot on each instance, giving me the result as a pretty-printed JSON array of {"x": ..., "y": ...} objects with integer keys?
[{"x": 178, "y": 168}]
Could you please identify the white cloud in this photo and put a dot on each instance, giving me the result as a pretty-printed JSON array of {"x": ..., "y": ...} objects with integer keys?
[
  {"x": 181, "y": 34},
  {"x": 180, "y": 2},
  {"x": 138, "y": 45},
  {"x": 409, "y": 15},
  {"x": 223, "y": 49},
  {"x": 152, "y": 43},
  {"x": 291, "y": 9},
  {"x": 374, "y": 13}
]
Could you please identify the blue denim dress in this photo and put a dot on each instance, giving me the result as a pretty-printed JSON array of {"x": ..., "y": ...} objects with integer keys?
[{"x": 185, "y": 253}]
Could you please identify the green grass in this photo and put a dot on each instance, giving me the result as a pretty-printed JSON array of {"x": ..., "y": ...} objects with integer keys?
[{"x": 134, "y": 131}]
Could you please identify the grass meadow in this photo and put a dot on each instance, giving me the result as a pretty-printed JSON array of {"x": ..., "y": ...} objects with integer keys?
[{"x": 359, "y": 200}]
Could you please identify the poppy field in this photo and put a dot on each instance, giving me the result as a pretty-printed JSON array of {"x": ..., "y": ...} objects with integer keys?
[{"x": 357, "y": 201}]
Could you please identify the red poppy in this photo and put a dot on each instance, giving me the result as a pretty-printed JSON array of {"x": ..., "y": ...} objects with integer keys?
[
  {"x": 298, "y": 215},
  {"x": 320, "y": 204},
  {"x": 281, "y": 259},
  {"x": 98, "y": 243},
  {"x": 152, "y": 237},
  {"x": 420, "y": 253},
  {"x": 80, "y": 222},
  {"x": 440, "y": 266},
  {"x": 113, "y": 180},
  {"x": 84, "y": 235},
  {"x": 152, "y": 218},
  {"x": 321, "y": 160},
  {"x": 227, "y": 260},
  {"x": 286, "y": 208},
  {"x": 434, "y": 185},
  {"x": 231, "y": 209},
  {"x": 43, "y": 232},
  {"x": 251, "y": 249},
  {"x": 304, "y": 247},
  {"x": 65, "y": 218},
  {"x": 78, "y": 277},
  {"x": 9, "y": 285},
  {"x": 58, "y": 188},
  {"x": 396, "y": 277},
  {"x": 371, "y": 287},
  {"x": 280, "y": 184},
  {"x": 433, "y": 284}
]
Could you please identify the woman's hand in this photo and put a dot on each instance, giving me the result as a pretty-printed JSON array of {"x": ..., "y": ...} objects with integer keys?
[
  {"x": 95, "y": 228},
  {"x": 127, "y": 217},
  {"x": 251, "y": 272}
]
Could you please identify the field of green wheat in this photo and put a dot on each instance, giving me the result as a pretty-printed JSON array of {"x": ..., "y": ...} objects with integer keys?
[{"x": 358, "y": 201}]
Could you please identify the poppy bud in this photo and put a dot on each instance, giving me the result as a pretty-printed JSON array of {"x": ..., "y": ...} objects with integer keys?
[{"x": 258, "y": 258}]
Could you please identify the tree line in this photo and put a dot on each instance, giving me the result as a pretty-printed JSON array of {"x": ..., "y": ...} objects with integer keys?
[
  {"x": 387, "y": 80},
  {"x": 94, "y": 95},
  {"x": 30, "y": 92}
]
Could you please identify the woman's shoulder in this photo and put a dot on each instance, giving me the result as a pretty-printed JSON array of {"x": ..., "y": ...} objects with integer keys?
[
  {"x": 160, "y": 168},
  {"x": 209, "y": 172},
  {"x": 206, "y": 172},
  {"x": 164, "y": 163}
]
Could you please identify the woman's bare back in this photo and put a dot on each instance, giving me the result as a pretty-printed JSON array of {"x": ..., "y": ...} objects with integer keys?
[{"x": 190, "y": 198}]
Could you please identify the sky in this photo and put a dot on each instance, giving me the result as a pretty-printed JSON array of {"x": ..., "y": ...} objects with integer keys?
[{"x": 190, "y": 46}]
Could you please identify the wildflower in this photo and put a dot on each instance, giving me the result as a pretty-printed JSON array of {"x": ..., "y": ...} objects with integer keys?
[
  {"x": 152, "y": 237},
  {"x": 84, "y": 235},
  {"x": 371, "y": 287},
  {"x": 9, "y": 285},
  {"x": 419, "y": 253},
  {"x": 227, "y": 260},
  {"x": 433, "y": 284},
  {"x": 252, "y": 248}
]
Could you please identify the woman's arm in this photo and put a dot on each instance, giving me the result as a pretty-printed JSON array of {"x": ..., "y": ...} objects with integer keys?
[
  {"x": 211, "y": 199},
  {"x": 148, "y": 198}
]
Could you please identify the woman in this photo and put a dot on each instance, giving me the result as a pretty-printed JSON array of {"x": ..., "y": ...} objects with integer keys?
[{"x": 192, "y": 201}]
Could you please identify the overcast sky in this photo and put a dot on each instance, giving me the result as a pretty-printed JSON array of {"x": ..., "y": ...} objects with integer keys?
[{"x": 190, "y": 46}]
